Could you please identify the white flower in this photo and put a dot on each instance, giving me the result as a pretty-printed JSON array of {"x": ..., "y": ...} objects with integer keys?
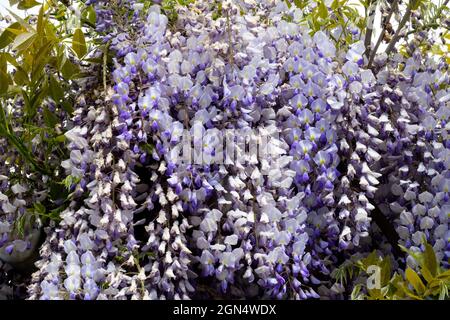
[
  {"x": 299, "y": 246},
  {"x": 426, "y": 223},
  {"x": 73, "y": 270},
  {"x": 18, "y": 189},
  {"x": 208, "y": 225},
  {"x": 228, "y": 259},
  {"x": 73, "y": 258},
  {"x": 72, "y": 284},
  {"x": 282, "y": 238},
  {"x": 8, "y": 207},
  {"x": 325, "y": 45},
  {"x": 273, "y": 214},
  {"x": 231, "y": 240},
  {"x": 277, "y": 255}
]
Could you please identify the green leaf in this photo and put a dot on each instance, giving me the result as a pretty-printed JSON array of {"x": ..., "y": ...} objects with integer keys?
[
  {"x": 60, "y": 138},
  {"x": 335, "y": 4},
  {"x": 56, "y": 91},
  {"x": 9, "y": 34},
  {"x": 386, "y": 269},
  {"x": 371, "y": 259},
  {"x": 91, "y": 15},
  {"x": 323, "y": 10},
  {"x": 27, "y": 4},
  {"x": 410, "y": 294},
  {"x": 39, "y": 208},
  {"x": 300, "y": 4},
  {"x": 69, "y": 70},
  {"x": 356, "y": 292},
  {"x": 24, "y": 40},
  {"x": 41, "y": 59},
  {"x": 50, "y": 118},
  {"x": 430, "y": 261},
  {"x": 67, "y": 106},
  {"x": 20, "y": 77},
  {"x": 40, "y": 23},
  {"x": 79, "y": 43},
  {"x": 22, "y": 22},
  {"x": 4, "y": 77},
  {"x": 414, "y": 279},
  {"x": 426, "y": 274},
  {"x": 444, "y": 275},
  {"x": 415, "y": 4}
]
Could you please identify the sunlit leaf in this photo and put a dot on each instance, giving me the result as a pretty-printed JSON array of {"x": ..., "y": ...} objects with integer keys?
[
  {"x": 430, "y": 261},
  {"x": 79, "y": 43},
  {"x": 27, "y": 4},
  {"x": 4, "y": 77},
  {"x": 9, "y": 34},
  {"x": 323, "y": 10},
  {"x": 91, "y": 15},
  {"x": 385, "y": 271},
  {"x": 23, "y": 41},
  {"x": 414, "y": 279},
  {"x": 40, "y": 23},
  {"x": 426, "y": 274},
  {"x": 22, "y": 22}
]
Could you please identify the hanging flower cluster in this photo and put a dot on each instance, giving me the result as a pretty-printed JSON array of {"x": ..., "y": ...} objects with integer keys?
[
  {"x": 415, "y": 98},
  {"x": 241, "y": 155}
]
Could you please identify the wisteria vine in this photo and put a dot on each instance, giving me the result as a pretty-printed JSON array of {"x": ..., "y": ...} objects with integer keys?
[{"x": 353, "y": 149}]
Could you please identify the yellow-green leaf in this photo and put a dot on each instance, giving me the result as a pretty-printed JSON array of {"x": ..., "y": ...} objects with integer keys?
[
  {"x": 414, "y": 279},
  {"x": 410, "y": 294},
  {"x": 79, "y": 43},
  {"x": 323, "y": 11},
  {"x": 50, "y": 118},
  {"x": 22, "y": 22},
  {"x": 69, "y": 70},
  {"x": 91, "y": 15},
  {"x": 9, "y": 34},
  {"x": 40, "y": 23},
  {"x": 27, "y": 4},
  {"x": 20, "y": 77},
  {"x": 385, "y": 271},
  {"x": 23, "y": 41},
  {"x": 56, "y": 90},
  {"x": 444, "y": 275},
  {"x": 4, "y": 77},
  {"x": 371, "y": 259},
  {"x": 426, "y": 274},
  {"x": 430, "y": 261}
]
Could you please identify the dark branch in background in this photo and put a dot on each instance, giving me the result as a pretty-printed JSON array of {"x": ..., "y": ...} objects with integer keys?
[
  {"x": 380, "y": 38},
  {"x": 396, "y": 36},
  {"x": 388, "y": 230},
  {"x": 370, "y": 19}
]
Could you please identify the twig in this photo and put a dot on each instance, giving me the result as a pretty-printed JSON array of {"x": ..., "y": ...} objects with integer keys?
[
  {"x": 425, "y": 27},
  {"x": 370, "y": 20},
  {"x": 396, "y": 36},
  {"x": 105, "y": 62},
  {"x": 231, "y": 53},
  {"x": 380, "y": 38}
]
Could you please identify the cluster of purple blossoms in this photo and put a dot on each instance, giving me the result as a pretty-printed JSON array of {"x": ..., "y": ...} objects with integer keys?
[
  {"x": 415, "y": 193},
  {"x": 142, "y": 225}
]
